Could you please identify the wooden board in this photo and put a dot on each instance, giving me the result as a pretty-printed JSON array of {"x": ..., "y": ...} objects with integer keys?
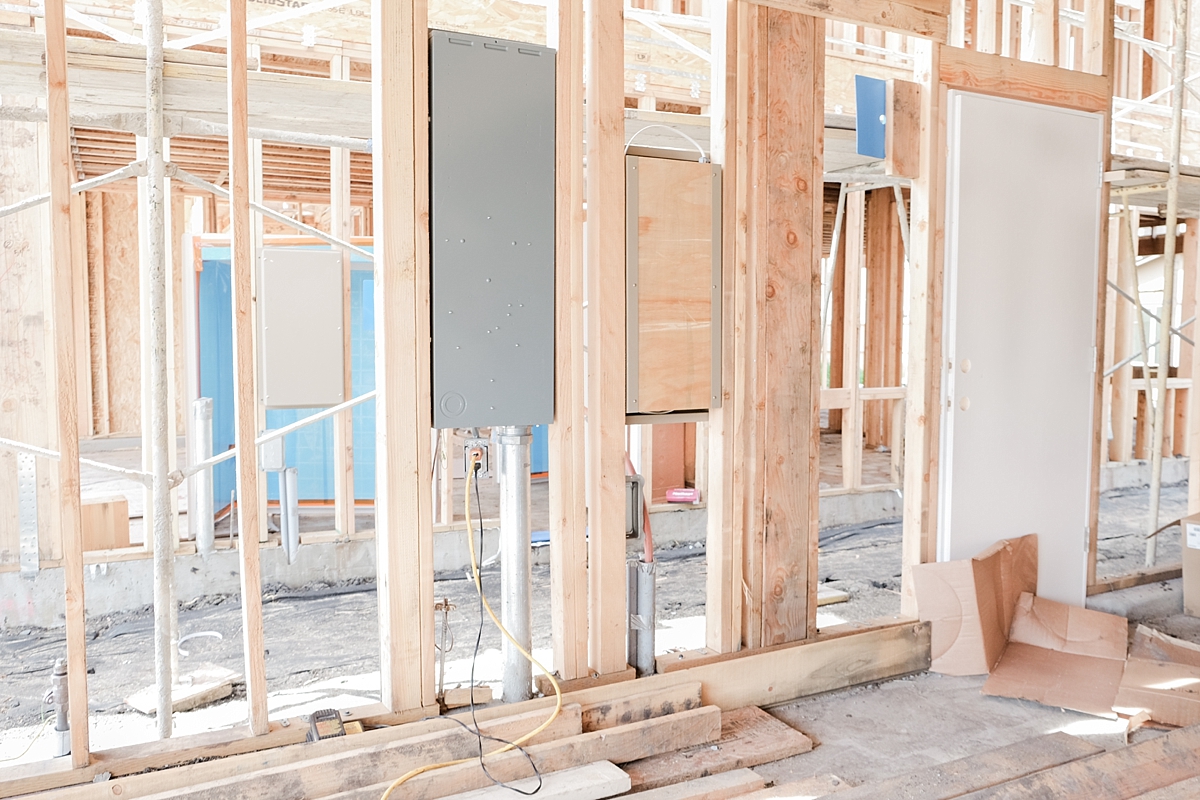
[
  {"x": 339, "y": 772},
  {"x": 198, "y": 688},
  {"x": 734, "y": 783},
  {"x": 749, "y": 737},
  {"x": 671, "y": 324},
  {"x": 590, "y": 782},
  {"x": 640, "y": 706},
  {"x": 903, "y": 131},
  {"x": 620, "y": 745},
  {"x": 105, "y": 523},
  {"x": 979, "y": 771},
  {"x": 927, "y": 18},
  {"x": 1008, "y": 77},
  {"x": 807, "y": 789},
  {"x": 1116, "y": 775}
]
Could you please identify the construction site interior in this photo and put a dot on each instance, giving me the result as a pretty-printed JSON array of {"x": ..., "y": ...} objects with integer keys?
[{"x": 693, "y": 399}]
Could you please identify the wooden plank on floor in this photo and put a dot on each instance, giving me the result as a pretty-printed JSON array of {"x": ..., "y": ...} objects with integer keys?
[
  {"x": 1140, "y": 577},
  {"x": 980, "y": 771},
  {"x": 590, "y": 782},
  {"x": 828, "y": 597},
  {"x": 1188, "y": 788},
  {"x": 807, "y": 789},
  {"x": 749, "y": 737},
  {"x": 640, "y": 706},
  {"x": 325, "y": 775},
  {"x": 734, "y": 783},
  {"x": 620, "y": 745},
  {"x": 1126, "y": 773},
  {"x": 586, "y": 682}
]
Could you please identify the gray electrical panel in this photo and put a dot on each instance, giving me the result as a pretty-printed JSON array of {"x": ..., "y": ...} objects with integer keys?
[{"x": 492, "y": 218}]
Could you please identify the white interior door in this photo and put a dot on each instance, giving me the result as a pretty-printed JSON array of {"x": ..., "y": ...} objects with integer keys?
[{"x": 1022, "y": 250}]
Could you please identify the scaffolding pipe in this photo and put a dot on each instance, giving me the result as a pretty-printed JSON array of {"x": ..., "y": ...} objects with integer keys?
[
  {"x": 1178, "y": 71},
  {"x": 156, "y": 246},
  {"x": 136, "y": 169},
  {"x": 516, "y": 576}
]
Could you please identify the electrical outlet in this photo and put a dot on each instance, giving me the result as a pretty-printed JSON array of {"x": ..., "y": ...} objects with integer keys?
[{"x": 477, "y": 448}]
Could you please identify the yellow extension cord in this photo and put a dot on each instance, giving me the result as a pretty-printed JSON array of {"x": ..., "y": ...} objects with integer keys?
[{"x": 479, "y": 588}]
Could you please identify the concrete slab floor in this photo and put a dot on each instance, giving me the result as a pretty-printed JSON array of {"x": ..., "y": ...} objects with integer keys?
[{"x": 877, "y": 731}]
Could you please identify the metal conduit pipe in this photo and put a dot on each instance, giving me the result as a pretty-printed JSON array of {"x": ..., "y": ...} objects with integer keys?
[{"x": 516, "y": 571}]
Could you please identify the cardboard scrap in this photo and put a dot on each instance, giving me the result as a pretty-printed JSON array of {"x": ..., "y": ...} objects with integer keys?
[
  {"x": 971, "y": 603},
  {"x": 1191, "y": 564},
  {"x": 1161, "y": 680},
  {"x": 1060, "y": 655}
]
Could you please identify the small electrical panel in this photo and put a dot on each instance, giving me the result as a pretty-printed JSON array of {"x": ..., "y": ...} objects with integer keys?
[{"x": 492, "y": 230}]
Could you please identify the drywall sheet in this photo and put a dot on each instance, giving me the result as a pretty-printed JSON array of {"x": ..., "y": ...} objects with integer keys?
[
  {"x": 302, "y": 350},
  {"x": 1022, "y": 250},
  {"x": 492, "y": 179}
]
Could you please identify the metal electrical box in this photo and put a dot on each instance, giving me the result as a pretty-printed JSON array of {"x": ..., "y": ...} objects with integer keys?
[
  {"x": 492, "y": 229},
  {"x": 301, "y": 345}
]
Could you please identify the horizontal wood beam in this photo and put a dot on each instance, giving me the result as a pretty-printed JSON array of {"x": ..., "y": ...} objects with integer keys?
[
  {"x": 925, "y": 18},
  {"x": 1023, "y": 80}
]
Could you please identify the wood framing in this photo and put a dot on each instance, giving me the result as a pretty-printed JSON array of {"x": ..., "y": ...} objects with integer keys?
[
  {"x": 606, "y": 337},
  {"x": 723, "y": 490},
  {"x": 245, "y": 389},
  {"x": 341, "y": 224},
  {"x": 65, "y": 374},
  {"x": 923, "y": 18},
  {"x": 1022, "y": 80},
  {"x": 783, "y": 201},
  {"x": 568, "y": 462},
  {"x": 403, "y": 506}
]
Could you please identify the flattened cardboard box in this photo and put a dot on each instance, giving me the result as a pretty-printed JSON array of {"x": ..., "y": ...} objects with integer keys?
[
  {"x": 970, "y": 603},
  {"x": 1061, "y": 655},
  {"x": 1162, "y": 678}
]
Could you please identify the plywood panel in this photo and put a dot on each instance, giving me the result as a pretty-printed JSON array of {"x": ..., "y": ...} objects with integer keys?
[
  {"x": 26, "y": 351},
  {"x": 121, "y": 303},
  {"x": 673, "y": 285}
]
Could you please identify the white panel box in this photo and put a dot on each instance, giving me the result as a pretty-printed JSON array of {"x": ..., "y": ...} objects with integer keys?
[{"x": 301, "y": 352}]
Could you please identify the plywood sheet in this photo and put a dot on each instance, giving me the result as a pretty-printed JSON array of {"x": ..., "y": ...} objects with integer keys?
[{"x": 671, "y": 334}]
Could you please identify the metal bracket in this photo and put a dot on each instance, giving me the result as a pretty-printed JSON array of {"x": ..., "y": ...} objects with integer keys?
[{"x": 27, "y": 513}]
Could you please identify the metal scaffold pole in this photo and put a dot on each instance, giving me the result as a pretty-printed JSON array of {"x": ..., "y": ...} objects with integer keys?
[{"x": 1179, "y": 74}]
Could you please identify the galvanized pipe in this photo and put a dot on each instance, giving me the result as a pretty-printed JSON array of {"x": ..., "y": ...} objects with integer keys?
[{"x": 516, "y": 574}]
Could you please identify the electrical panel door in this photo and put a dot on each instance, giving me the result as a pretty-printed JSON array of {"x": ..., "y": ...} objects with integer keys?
[{"x": 492, "y": 226}]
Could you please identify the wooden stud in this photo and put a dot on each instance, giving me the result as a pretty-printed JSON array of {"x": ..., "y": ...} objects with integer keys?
[
  {"x": 852, "y": 418},
  {"x": 925, "y": 365},
  {"x": 723, "y": 596},
  {"x": 83, "y": 339},
  {"x": 568, "y": 457},
  {"x": 1122, "y": 401},
  {"x": 1044, "y": 36},
  {"x": 1098, "y": 39},
  {"x": 66, "y": 411},
  {"x": 403, "y": 505},
  {"x": 903, "y": 130},
  {"x": 789, "y": 316},
  {"x": 989, "y": 26},
  {"x": 97, "y": 280},
  {"x": 341, "y": 224},
  {"x": 606, "y": 336},
  {"x": 1191, "y": 261},
  {"x": 244, "y": 384}
]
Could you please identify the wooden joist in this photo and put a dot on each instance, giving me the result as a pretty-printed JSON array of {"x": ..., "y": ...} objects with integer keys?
[
  {"x": 1116, "y": 775},
  {"x": 342, "y": 771},
  {"x": 589, "y": 782},
  {"x": 749, "y": 737},
  {"x": 641, "y": 706},
  {"x": 734, "y": 783},
  {"x": 620, "y": 745}
]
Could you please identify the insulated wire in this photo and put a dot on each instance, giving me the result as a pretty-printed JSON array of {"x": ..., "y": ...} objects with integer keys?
[
  {"x": 32, "y": 741},
  {"x": 479, "y": 588}
]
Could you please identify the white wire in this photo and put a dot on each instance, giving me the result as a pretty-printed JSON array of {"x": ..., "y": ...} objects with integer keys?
[{"x": 703, "y": 155}]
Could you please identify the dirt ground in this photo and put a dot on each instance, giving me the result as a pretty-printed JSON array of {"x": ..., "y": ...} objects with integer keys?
[{"x": 322, "y": 642}]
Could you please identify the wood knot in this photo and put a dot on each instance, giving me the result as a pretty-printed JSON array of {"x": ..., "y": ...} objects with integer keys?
[{"x": 770, "y": 291}]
